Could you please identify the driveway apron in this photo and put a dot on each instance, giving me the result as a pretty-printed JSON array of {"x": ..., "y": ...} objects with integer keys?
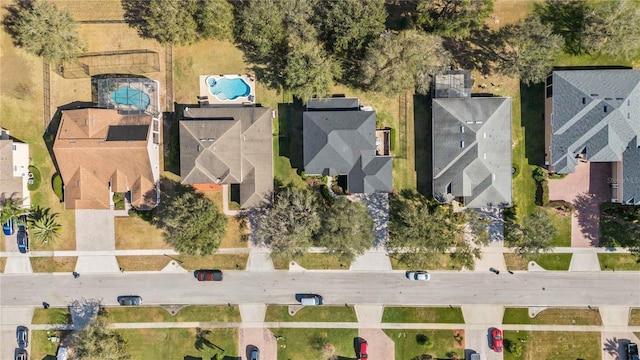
[{"x": 95, "y": 231}]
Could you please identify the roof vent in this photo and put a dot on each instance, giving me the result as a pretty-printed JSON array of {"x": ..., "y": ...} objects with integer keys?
[
  {"x": 594, "y": 95},
  {"x": 584, "y": 100},
  {"x": 462, "y": 143},
  {"x": 605, "y": 108}
]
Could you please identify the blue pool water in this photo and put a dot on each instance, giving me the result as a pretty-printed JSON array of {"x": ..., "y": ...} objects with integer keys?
[
  {"x": 126, "y": 95},
  {"x": 228, "y": 89}
]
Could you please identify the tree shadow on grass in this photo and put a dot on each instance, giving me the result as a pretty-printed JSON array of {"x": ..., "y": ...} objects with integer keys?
[
  {"x": 475, "y": 52},
  {"x": 532, "y": 119},
  {"x": 290, "y": 132},
  {"x": 15, "y": 11},
  {"x": 423, "y": 144},
  {"x": 567, "y": 19},
  {"x": 588, "y": 216}
]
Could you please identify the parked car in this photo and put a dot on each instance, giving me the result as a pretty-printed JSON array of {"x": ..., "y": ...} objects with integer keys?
[
  {"x": 255, "y": 354},
  {"x": 22, "y": 354},
  {"x": 208, "y": 275},
  {"x": 363, "y": 349},
  {"x": 7, "y": 228},
  {"x": 474, "y": 356},
  {"x": 22, "y": 335},
  {"x": 496, "y": 340},
  {"x": 632, "y": 351},
  {"x": 129, "y": 300},
  {"x": 310, "y": 299},
  {"x": 23, "y": 239},
  {"x": 418, "y": 275}
]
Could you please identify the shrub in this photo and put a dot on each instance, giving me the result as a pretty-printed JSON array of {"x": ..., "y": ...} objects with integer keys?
[
  {"x": 542, "y": 193},
  {"x": 557, "y": 176},
  {"x": 539, "y": 174},
  {"x": 326, "y": 194},
  {"x": 35, "y": 180},
  {"x": 118, "y": 201},
  {"x": 56, "y": 183},
  {"x": 424, "y": 340},
  {"x": 562, "y": 205},
  {"x": 392, "y": 139},
  {"x": 146, "y": 215}
]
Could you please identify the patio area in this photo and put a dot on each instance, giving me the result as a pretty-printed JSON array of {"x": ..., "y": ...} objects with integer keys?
[{"x": 586, "y": 189}]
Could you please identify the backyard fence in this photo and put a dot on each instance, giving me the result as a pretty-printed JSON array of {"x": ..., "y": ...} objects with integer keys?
[{"x": 138, "y": 61}]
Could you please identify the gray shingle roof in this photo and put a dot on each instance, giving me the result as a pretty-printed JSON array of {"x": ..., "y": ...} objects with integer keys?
[
  {"x": 343, "y": 142},
  {"x": 472, "y": 150},
  {"x": 597, "y": 112},
  {"x": 228, "y": 145}
]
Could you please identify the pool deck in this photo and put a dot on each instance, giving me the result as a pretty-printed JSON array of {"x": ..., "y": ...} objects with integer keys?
[{"x": 207, "y": 98}]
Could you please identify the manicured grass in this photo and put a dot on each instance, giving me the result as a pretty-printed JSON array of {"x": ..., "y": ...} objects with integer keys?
[
  {"x": 616, "y": 225},
  {"x": 407, "y": 346},
  {"x": 41, "y": 347},
  {"x": 317, "y": 261},
  {"x": 143, "y": 344},
  {"x": 37, "y": 178},
  {"x": 51, "y": 316},
  {"x": 312, "y": 314},
  {"x": 443, "y": 262},
  {"x": 189, "y": 262},
  {"x": 612, "y": 262},
  {"x": 563, "y": 226},
  {"x": 554, "y": 345},
  {"x": 135, "y": 233},
  {"x": 187, "y": 314},
  {"x": 51, "y": 264},
  {"x": 553, "y": 317},
  {"x": 422, "y": 315},
  {"x": 308, "y": 343},
  {"x": 634, "y": 317},
  {"x": 547, "y": 261}
]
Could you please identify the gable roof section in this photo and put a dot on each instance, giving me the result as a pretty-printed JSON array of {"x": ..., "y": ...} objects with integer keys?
[
  {"x": 472, "y": 150},
  {"x": 10, "y": 185},
  {"x": 228, "y": 145},
  {"x": 342, "y": 141},
  {"x": 89, "y": 163}
]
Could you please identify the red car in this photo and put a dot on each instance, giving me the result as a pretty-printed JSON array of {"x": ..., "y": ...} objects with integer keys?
[
  {"x": 208, "y": 275},
  {"x": 496, "y": 340},
  {"x": 362, "y": 353}
]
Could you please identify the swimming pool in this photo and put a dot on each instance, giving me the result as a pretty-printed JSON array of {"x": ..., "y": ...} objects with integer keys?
[
  {"x": 228, "y": 89},
  {"x": 126, "y": 95}
]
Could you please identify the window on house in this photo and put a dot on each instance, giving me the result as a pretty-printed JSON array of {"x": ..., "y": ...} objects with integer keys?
[
  {"x": 449, "y": 188},
  {"x": 14, "y": 147},
  {"x": 605, "y": 108},
  {"x": 584, "y": 100}
]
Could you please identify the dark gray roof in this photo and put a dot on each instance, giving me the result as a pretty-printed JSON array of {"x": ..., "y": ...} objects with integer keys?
[
  {"x": 344, "y": 143},
  {"x": 472, "y": 150},
  {"x": 228, "y": 145},
  {"x": 597, "y": 112}
]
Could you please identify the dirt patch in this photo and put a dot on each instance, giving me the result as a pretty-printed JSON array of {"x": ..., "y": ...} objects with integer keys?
[{"x": 459, "y": 339}]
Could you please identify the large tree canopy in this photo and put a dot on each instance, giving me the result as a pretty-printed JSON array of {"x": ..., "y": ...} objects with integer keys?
[
  {"x": 533, "y": 236},
  {"x": 96, "y": 341},
  {"x": 452, "y": 17},
  {"x": 347, "y": 229},
  {"x": 192, "y": 223},
  {"x": 613, "y": 28},
  {"x": 527, "y": 49},
  {"x": 180, "y": 22},
  {"x": 403, "y": 62},
  {"x": 44, "y": 30}
]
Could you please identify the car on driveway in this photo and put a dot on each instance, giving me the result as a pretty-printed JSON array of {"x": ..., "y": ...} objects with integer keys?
[
  {"x": 632, "y": 351},
  {"x": 23, "y": 239},
  {"x": 7, "y": 228},
  {"x": 129, "y": 300},
  {"x": 363, "y": 349},
  {"x": 22, "y": 354},
  {"x": 418, "y": 275},
  {"x": 255, "y": 354},
  {"x": 496, "y": 340},
  {"x": 22, "y": 335},
  {"x": 208, "y": 275}
]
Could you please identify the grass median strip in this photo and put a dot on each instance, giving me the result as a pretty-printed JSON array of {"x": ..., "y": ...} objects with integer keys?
[
  {"x": 188, "y": 262},
  {"x": 551, "y": 345},
  {"x": 553, "y": 317},
  {"x": 612, "y": 262},
  {"x": 311, "y": 314},
  {"x": 394, "y": 314},
  {"x": 186, "y": 314},
  {"x": 316, "y": 261},
  {"x": 315, "y": 344},
  {"x": 442, "y": 263},
  {"x": 437, "y": 343},
  {"x": 51, "y": 264},
  {"x": 547, "y": 261}
]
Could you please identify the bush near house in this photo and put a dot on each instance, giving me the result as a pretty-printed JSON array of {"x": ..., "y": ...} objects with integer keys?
[
  {"x": 35, "y": 179},
  {"x": 56, "y": 183}
]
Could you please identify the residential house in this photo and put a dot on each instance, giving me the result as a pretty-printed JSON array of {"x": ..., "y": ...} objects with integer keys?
[
  {"x": 100, "y": 152},
  {"x": 14, "y": 168},
  {"x": 471, "y": 144},
  {"x": 340, "y": 139},
  {"x": 594, "y": 116},
  {"x": 230, "y": 145}
]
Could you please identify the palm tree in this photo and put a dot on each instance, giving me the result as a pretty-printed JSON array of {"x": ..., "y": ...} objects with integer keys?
[
  {"x": 43, "y": 225},
  {"x": 10, "y": 208}
]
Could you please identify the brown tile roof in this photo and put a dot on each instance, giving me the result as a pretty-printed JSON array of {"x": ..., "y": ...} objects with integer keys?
[{"x": 88, "y": 160}]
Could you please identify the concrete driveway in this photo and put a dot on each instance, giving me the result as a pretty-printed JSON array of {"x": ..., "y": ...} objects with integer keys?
[
  {"x": 11, "y": 318},
  {"x": 586, "y": 189},
  {"x": 95, "y": 231},
  {"x": 17, "y": 263}
]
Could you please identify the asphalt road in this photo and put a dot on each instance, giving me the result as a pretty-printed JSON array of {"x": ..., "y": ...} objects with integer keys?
[{"x": 568, "y": 289}]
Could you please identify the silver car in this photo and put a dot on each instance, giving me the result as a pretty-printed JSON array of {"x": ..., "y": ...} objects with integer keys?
[{"x": 418, "y": 275}]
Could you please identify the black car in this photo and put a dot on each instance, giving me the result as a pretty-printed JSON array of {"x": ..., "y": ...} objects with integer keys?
[
  {"x": 22, "y": 336},
  {"x": 208, "y": 275},
  {"x": 23, "y": 239},
  {"x": 632, "y": 351},
  {"x": 22, "y": 354},
  {"x": 129, "y": 300}
]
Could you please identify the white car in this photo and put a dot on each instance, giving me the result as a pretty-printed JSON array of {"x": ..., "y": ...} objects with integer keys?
[{"x": 418, "y": 275}]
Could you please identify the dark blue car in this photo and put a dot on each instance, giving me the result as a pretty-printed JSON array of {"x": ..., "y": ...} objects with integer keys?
[
  {"x": 23, "y": 239},
  {"x": 7, "y": 228}
]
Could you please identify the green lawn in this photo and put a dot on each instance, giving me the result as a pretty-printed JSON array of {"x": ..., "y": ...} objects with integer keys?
[
  {"x": 308, "y": 344},
  {"x": 143, "y": 344},
  {"x": 422, "y": 315},
  {"x": 41, "y": 347},
  {"x": 554, "y": 345},
  {"x": 559, "y": 261},
  {"x": 553, "y": 317},
  {"x": 616, "y": 225},
  {"x": 187, "y": 314},
  {"x": 443, "y": 262},
  {"x": 316, "y": 261},
  {"x": 189, "y": 262},
  {"x": 51, "y": 316},
  {"x": 407, "y": 346},
  {"x": 311, "y": 314},
  {"x": 563, "y": 226},
  {"x": 612, "y": 262},
  {"x": 53, "y": 264}
]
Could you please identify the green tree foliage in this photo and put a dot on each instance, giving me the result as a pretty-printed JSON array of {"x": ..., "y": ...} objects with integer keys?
[
  {"x": 44, "y": 30},
  {"x": 192, "y": 223},
  {"x": 613, "y": 27},
  {"x": 533, "y": 236},
  {"x": 308, "y": 71},
  {"x": 403, "y": 62},
  {"x": 347, "y": 229},
  {"x": 96, "y": 341},
  {"x": 527, "y": 49},
  {"x": 566, "y": 19},
  {"x": 421, "y": 230},
  {"x": 452, "y": 17},
  {"x": 10, "y": 207},
  {"x": 289, "y": 225},
  {"x": 180, "y": 22},
  {"x": 43, "y": 225}
]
